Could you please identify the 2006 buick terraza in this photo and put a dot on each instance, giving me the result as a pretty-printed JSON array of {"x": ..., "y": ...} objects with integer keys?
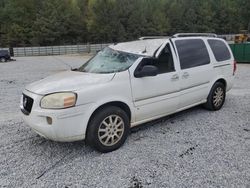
[{"x": 127, "y": 84}]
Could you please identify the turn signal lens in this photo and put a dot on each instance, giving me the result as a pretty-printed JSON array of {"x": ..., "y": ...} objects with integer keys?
[{"x": 69, "y": 101}]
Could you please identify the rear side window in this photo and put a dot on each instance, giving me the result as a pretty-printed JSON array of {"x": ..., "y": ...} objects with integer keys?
[
  {"x": 220, "y": 50},
  {"x": 192, "y": 53}
]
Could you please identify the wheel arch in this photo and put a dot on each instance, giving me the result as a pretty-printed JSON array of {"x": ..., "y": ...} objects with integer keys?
[
  {"x": 208, "y": 105},
  {"x": 119, "y": 104},
  {"x": 223, "y": 81},
  {"x": 219, "y": 79}
]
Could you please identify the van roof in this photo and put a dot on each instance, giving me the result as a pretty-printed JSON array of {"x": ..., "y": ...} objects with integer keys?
[
  {"x": 141, "y": 47},
  {"x": 148, "y": 46}
]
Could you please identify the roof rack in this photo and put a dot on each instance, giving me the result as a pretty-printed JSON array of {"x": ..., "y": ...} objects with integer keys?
[
  {"x": 152, "y": 37},
  {"x": 195, "y": 35}
]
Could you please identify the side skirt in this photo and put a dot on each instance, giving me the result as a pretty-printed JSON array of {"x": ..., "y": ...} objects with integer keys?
[{"x": 134, "y": 124}]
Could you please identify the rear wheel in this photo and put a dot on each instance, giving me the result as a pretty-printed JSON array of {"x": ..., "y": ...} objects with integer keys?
[
  {"x": 108, "y": 129},
  {"x": 216, "y": 97}
]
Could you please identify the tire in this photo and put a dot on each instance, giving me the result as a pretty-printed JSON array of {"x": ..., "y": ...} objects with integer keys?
[
  {"x": 216, "y": 97},
  {"x": 108, "y": 129},
  {"x": 2, "y": 60}
]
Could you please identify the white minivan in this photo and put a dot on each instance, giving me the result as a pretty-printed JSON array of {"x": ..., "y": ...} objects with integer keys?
[{"x": 127, "y": 84}]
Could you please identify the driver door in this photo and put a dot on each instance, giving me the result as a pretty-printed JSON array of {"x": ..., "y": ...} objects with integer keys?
[{"x": 156, "y": 96}]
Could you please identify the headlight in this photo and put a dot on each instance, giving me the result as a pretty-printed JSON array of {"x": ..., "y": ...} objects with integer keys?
[{"x": 58, "y": 100}]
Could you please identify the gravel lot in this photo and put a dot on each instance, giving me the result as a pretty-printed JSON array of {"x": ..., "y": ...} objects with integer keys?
[{"x": 194, "y": 148}]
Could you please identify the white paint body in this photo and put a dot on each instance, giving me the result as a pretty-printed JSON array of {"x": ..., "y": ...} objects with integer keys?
[{"x": 148, "y": 98}]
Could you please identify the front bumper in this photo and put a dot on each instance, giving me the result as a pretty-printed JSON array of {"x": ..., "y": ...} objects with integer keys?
[{"x": 67, "y": 124}]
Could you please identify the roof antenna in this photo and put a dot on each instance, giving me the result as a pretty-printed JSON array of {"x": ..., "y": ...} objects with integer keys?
[{"x": 144, "y": 51}]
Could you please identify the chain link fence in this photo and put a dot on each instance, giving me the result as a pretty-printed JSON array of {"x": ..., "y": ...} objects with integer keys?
[{"x": 57, "y": 50}]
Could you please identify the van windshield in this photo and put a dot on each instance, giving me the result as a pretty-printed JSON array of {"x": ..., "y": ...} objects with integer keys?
[{"x": 109, "y": 61}]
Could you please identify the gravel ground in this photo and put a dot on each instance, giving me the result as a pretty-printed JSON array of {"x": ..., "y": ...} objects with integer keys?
[{"x": 194, "y": 148}]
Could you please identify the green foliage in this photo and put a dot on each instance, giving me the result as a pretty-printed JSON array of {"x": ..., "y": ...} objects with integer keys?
[
  {"x": 54, "y": 22},
  {"x": 58, "y": 21}
]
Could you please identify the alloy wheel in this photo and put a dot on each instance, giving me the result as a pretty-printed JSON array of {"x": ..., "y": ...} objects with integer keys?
[
  {"x": 111, "y": 130},
  {"x": 218, "y": 97}
]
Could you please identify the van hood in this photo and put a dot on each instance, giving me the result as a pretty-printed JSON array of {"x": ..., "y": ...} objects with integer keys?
[{"x": 67, "y": 81}]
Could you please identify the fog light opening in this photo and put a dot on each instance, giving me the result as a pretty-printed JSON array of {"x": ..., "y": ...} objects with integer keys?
[{"x": 49, "y": 120}]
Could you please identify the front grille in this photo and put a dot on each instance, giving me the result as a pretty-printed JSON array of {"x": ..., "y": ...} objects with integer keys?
[{"x": 27, "y": 104}]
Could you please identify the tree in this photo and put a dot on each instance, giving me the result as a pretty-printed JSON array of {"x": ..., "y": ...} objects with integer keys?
[
  {"x": 226, "y": 16},
  {"x": 53, "y": 22},
  {"x": 17, "y": 17},
  {"x": 244, "y": 13}
]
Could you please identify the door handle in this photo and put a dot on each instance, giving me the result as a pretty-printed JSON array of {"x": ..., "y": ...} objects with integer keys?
[
  {"x": 175, "y": 77},
  {"x": 185, "y": 75}
]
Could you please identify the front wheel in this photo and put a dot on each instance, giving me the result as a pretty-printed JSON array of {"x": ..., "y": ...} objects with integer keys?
[
  {"x": 216, "y": 97},
  {"x": 108, "y": 129},
  {"x": 2, "y": 60}
]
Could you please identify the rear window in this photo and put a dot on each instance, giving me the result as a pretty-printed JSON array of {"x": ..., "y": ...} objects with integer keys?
[
  {"x": 192, "y": 53},
  {"x": 220, "y": 50}
]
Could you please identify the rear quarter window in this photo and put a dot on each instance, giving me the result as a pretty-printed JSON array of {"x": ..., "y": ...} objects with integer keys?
[
  {"x": 220, "y": 50},
  {"x": 192, "y": 53}
]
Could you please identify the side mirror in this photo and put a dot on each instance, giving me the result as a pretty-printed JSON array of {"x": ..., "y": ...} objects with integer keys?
[{"x": 147, "y": 70}]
